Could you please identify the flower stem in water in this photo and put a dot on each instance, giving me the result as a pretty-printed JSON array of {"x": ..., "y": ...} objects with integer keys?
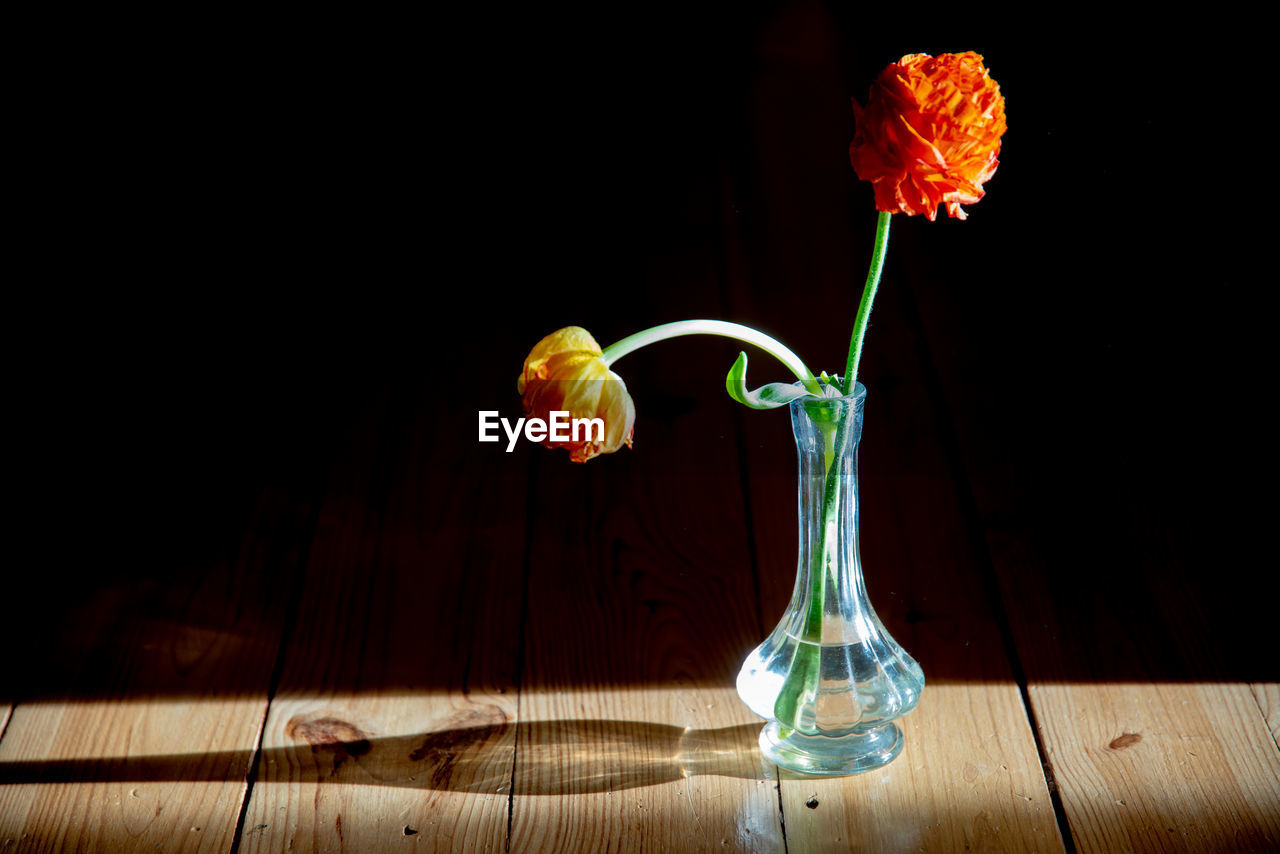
[{"x": 801, "y": 684}]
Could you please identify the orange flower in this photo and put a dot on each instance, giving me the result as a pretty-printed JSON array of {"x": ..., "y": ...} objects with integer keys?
[
  {"x": 930, "y": 134},
  {"x": 564, "y": 373}
]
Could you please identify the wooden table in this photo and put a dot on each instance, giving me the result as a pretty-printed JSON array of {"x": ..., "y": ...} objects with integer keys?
[
  {"x": 283, "y": 608},
  {"x": 417, "y": 642}
]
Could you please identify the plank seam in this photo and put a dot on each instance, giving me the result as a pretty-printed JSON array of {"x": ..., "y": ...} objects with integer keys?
[
  {"x": 726, "y": 280},
  {"x": 782, "y": 812},
  {"x": 972, "y": 521},
  {"x": 526, "y": 569},
  {"x": 1257, "y": 701},
  {"x": 753, "y": 562},
  {"x": 277, "y": 670}
]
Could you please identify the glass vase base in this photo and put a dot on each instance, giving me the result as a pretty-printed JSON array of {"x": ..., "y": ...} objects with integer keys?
[{"x": 823, "y": 756}]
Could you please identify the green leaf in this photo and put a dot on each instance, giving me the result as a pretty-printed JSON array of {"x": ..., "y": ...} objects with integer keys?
[{"x": 769, "y": 396}]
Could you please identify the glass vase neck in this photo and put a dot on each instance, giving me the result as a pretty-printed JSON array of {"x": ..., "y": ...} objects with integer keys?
[{"x": 829, "y": 603}]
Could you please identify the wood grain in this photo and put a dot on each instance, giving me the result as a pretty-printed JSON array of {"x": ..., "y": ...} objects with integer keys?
[
  {"x": 103, "y": 758},
  {"x": 1268, "y": 697},
  {"x": 1200, "y": 771},
  {"x": 964, "y": 781},
  {"x": 157, "y": 752},
  {"x": 1163, "y": 767},
  {"x": 1137, "y": 648},
  {"x": 394, "y": 720},
  {"x": 640, "y": 611},
  {"x": 446, "y": 647},
  {"x": 969, "y": 774}
]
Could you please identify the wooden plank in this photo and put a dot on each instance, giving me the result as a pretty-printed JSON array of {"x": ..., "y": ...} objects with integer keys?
[
  {"x": 641, "y": 609},
  {"x": 969, "y": 775},
  {"x": 985, "y": 793},
  {"x": 101, "y": 759},
  {"x": 1268, "y": 696},
  {"x": 1157, "y": 765},
  {"x": 150, "y": 747},
  {"x": 1162, "y": 767},
  {"x": 394, "y": 719},
  {"x": 1138, "y": 649}
]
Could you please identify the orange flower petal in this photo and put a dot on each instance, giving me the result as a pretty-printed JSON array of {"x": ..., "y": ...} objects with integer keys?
[{"x": 930, "y": 133}]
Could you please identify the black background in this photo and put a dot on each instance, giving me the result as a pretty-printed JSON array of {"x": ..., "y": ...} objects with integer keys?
[{"x": 241, "y": 226}]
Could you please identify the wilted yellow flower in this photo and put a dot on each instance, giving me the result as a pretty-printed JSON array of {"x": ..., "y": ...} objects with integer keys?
[{"x": 565, "y": 373}]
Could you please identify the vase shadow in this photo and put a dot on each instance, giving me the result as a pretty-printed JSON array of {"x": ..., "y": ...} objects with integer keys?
[{"x": 558, "y": 757}]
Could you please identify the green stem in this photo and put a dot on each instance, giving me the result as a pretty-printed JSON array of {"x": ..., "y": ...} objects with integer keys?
[
  {"x": 864, "y": 307},
  {"x": 830, "y": 500},
  {"x": 804, "y": 675},
  {"x": 774, "y": 348}
]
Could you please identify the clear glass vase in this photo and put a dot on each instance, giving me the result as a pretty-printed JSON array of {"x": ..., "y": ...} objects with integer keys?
[{"x": 830, "y": 679}]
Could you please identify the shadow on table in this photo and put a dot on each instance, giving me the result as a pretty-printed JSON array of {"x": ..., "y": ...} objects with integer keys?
[{"x": 563, "y": 757}]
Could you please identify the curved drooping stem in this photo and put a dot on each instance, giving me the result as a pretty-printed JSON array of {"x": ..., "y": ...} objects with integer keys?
[{"x": 737, "y": 331}]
